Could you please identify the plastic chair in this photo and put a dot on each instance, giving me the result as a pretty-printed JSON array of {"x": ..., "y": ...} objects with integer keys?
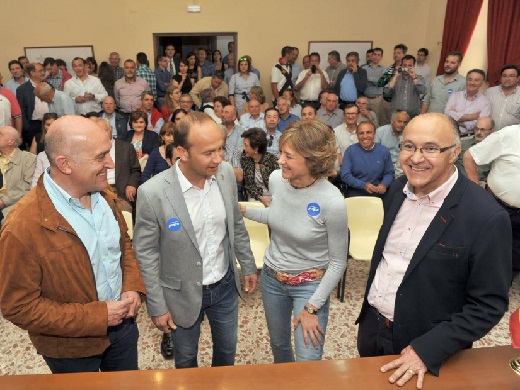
[
  {"x": 258, "y": 235},
  {"x": 129, "y": 223},
  {"x": 365, "y": 217}
]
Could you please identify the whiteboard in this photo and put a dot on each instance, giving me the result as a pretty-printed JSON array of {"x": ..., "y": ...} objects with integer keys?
[
  {"x": 66, "y": 53},
  {"x": 342, "y": 47}
]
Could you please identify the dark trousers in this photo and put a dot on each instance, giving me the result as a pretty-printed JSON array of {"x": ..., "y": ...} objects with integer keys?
[
  {"x": 343, "y": 103},
  {"x": 28, "y": 134},
  {"x": 514, "y": 216},
  {"x": 375, "y": 335},
  {"x": 121, "y": 355},
  {"x": 352, "y": 192}
]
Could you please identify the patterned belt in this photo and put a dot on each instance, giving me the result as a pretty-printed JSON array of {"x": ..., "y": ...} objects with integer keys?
[{"x": 294, "y": 280}]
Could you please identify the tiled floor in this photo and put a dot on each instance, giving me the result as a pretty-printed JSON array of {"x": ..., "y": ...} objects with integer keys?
[{"x": 17, "y": 356}]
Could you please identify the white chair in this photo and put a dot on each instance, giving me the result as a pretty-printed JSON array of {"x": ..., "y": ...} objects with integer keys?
[
  {"x": 129, "y": 223},
  {"x": 365, "y": 217},
  {"x": 258, "y": 235}
]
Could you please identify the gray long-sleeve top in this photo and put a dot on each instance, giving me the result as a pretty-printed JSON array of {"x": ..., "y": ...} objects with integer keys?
[{"x": 308, "y": 230}]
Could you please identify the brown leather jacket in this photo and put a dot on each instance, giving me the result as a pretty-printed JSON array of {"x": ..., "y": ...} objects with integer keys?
[{"x": 47, "y": 282}]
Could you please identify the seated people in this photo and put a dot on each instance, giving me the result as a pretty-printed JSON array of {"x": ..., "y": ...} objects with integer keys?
[
  {"x": 37, "y": 145},
  {"x": 256, "y": 93},
  {"x": 143, "y": 140},
  {"x": 125, "y": 176},
  {"x": 256, "y": 165},
  {"x": 157, "y": 162},
  {"x": 391, "y": 135},
  {"x": 219, "y": 102},
  {"x": 366, "y": 115},
  {"x": 171, "y": 101},
  {"x": 215, "y": 82},
  {"x": 294, "y": 107},
  {"x": 254, "y": 118},
  {"x": 367, "y": 167},
  {"x": 285, "y": 116},
  {"x": 117, "y": 120},
  {"x": 17, "y": 168},
  {"x": 155, "y": 119}
]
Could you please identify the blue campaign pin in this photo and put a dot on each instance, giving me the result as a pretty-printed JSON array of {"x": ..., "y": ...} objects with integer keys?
[
  {"x": 173, "y": 224},
  {"x": 450, "y": 91},
  {"x": 313, "y": 209}
]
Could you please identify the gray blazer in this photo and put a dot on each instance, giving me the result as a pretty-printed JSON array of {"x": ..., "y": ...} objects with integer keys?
[{"x": 170, "y": 261}]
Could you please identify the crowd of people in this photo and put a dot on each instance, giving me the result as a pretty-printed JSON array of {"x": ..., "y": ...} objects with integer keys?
[{"x": 179, "y": 146}]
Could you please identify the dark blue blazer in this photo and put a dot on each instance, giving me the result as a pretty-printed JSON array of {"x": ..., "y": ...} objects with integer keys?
[
  {"x": 25, "y": 97},
  {"x": 150, "y": 140},
  {"x": 456, "y": 287}
]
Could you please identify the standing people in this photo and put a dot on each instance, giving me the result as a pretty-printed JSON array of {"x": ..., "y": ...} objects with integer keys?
[
  {"x": 241, "y": 83},
  {"x": 81, "y": 285},
  {"x": 308, "y": 250},
  {"x": 188, "y": 233},
  {"x": 441, "y": 269}
]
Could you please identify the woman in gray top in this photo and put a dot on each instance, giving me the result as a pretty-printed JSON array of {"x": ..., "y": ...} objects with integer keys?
[{"x": 308, "y": 250}]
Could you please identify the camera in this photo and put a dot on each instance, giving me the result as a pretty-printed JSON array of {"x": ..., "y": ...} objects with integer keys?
[
  {"x": 402, "y": 69},
  {"x": 313, "y": 69}
]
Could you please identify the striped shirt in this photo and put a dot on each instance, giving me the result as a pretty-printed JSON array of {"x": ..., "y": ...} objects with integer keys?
[
  {"x": 505, "y": 110},
  {"x": 145, "y": 73}
]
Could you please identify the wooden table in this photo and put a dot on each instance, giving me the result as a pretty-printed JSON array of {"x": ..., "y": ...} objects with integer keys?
[{"x": 480, "y": 368}]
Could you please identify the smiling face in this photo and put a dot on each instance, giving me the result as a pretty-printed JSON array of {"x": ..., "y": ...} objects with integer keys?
[
  {"x": 509, "y": 79},
  {"x": 365, "y": 135},
  {"x": 428, "y": 174},
  {"x": 474, "y": 82},
  {"x": 139, "y": 125},
  {"x": 294, "y": 166},
  {"x": 16, "y": 70}
]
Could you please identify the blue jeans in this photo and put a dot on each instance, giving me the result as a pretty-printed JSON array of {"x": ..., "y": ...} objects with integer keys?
[
  {"x": 121, "y": 355},
  {"x": 220, "y": 305},
  {"x": 280, "y": 300}
]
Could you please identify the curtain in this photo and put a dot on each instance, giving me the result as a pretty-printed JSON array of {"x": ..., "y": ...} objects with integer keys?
[
  {"x": 459, "y": 23},
  {"x": 503, "y": 37}
]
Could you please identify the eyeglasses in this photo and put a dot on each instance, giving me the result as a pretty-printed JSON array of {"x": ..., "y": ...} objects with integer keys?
[
  {"x": 483, "y": 129},
  {"x": 509, "y": 76},
  {"x": 429, "y": 151},
  {"x": 271, "y": 138}
]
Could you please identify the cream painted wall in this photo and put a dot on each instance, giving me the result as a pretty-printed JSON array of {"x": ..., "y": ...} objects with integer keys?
[{"x": 263, "y": 27}]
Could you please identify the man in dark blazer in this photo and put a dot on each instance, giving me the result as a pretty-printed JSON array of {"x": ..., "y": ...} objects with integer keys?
[
  {"x": 441, "y": 269},
  {"x": 188, "y": 234},
  {"x": 27, "y": 101},
  {"x": 127, "y": 172},
  {"x": 118, "y": 121}
]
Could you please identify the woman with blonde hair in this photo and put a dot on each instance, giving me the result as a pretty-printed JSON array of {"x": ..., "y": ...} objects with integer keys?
[
  {"x": 308, "y": 250},
  {"x": 256, "y": 93},
  {"x": 171, "y": 101}
]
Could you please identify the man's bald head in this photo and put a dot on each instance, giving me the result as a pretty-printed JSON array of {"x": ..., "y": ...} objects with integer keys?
[
  {"x": 11, "y": 135},
  {"x": 44, "y": 91},
  {"x": 65, "y": 136}
]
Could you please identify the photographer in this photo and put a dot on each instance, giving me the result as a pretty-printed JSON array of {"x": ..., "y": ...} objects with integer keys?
[
  {"x": 241, "y": 82},
  {"x": 406, "y": 88},
  {"x": 351, "y": 82},
  {"x": 310, "y": 82}
]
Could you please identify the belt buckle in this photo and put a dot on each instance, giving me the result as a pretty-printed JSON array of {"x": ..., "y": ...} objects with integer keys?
[{"x": 388, "y": 323}]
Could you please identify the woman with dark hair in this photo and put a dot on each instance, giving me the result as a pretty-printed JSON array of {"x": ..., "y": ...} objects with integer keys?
[
  {"x": 106, "y": 76},
  {"x": 171, "y": 102},
  {"x": 37, "y": 144},
  {"x": 91, "y": 66},
  {"x": 220, "y": 67},
  {"x": 307, "y": 253},
  {"x": 144, "y": 141},
  {"x": 178, "y": 114},
  {"x": 256, "y": 165},
  {"x": 219, "y": 102},
  {"x": 183, "y": 78},
  {"x": 194, "y": 70},
  {"x": 241, "y": 82},
  {"x": 158, "y": 161}
]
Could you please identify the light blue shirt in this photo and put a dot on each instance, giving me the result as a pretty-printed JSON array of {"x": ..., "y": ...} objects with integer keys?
[
  {"x": 112, "y": 121},
  {"x": 386, "y": 137},
  {"x": 62, "y": 104},
  {"x": 99, "y": 232},
  {"x": 274, "y": 147},
  {"x": 348, "y": 91},
  {"x": 12, "y": 85},
  {"x": 248, "y": 122}
]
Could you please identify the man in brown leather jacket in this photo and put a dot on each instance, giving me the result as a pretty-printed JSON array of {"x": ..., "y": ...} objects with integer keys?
[{"x": 68, "y": 271}]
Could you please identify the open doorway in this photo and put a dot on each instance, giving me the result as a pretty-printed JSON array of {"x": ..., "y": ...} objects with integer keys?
[{"x": 190, "y": 42}]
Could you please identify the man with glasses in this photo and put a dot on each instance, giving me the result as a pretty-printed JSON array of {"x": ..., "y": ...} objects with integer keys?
[
  {"x": 186, "y": 102},
  {"x": 505, "y": 98},
  {"x": 502, "y": 150},
  {"x": 441, "y": 267}
]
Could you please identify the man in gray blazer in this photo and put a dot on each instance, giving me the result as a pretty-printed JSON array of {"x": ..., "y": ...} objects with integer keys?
[{"x": 188, "y": 233}]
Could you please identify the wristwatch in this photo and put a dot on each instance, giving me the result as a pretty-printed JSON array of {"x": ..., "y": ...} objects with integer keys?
[{"x": 310, "y": 310}]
